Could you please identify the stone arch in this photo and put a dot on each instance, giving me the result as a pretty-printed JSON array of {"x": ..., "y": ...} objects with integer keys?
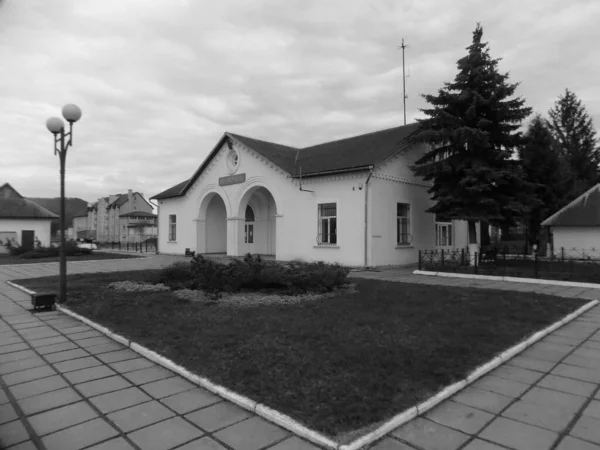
[
  {"x": 246, "y": 190},
  {"x": 211, "y": 224},
  {"x": 206, "y": 195}
]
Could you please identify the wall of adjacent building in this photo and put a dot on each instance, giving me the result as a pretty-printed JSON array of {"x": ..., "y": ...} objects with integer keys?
[{"x": 41, "y": 227}]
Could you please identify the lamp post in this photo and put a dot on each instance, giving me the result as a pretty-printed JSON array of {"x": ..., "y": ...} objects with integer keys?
[{"x": 55, "y": 125}]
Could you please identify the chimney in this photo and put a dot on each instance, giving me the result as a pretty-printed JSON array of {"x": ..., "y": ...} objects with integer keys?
[{"x": 130, "y": 199}]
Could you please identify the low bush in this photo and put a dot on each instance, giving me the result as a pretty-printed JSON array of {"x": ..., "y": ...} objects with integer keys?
[
  {"x": 176, "y": 276},
  {"x": 13, "y": 248},
  {"x": 71, "y": 249}
]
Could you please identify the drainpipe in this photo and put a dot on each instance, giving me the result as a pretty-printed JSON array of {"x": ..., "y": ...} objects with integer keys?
[{"x": 367, "y": 215}]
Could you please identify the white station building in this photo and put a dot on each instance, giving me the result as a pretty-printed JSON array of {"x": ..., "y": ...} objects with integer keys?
[{"x": 354, "y": 201}]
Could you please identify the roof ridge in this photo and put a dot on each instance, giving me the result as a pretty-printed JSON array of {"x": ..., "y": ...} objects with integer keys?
[
  {"x": 261, "y": 140},
  {"x": 360, "y": 135}
]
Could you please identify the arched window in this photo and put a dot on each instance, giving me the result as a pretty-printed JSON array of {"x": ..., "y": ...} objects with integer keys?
[{"x": 249, "y": 214}]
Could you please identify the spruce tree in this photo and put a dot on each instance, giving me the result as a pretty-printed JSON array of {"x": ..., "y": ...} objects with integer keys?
[
  {"x": 543, "y": 167},
  {"x": 472, "y": 128},
  {"x": 573, "y": 129}
]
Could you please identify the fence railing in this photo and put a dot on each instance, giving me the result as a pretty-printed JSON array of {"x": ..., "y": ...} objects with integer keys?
[
  {"x": 141, "y": 244},
  {"x": 562, "y": 264}
]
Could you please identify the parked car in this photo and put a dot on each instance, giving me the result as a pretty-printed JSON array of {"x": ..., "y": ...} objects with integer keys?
[{"x": 87, "y": 243}]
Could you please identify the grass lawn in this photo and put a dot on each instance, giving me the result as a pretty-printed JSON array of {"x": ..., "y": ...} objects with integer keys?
[
  {"x": 6, "y": 259},
  {"x": 568, "y": 270},
  {"x": 340, "y": 365}
]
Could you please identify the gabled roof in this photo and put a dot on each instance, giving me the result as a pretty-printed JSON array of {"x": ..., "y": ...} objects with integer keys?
[
  {"x": 138, "y": 214},
  {"x": 81, "y": 214},
  {"x": 15, "y": 206},
  {"x": 583, "y": 211},
  {"x": 354, "y": 153}
]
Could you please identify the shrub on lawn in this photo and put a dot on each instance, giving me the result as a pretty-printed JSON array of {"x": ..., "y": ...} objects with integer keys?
[
  {"x": 13, "y": 248},
  {"x": 177, "y": 276},
  {"x": 71, "y": 249}
]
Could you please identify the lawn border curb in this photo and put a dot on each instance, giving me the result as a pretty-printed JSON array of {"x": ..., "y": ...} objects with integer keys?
[
  {"x": 81, "y": 261},
  {"x": 452, "y": 389},
  {"x": 511, "y": 279},
  {"x": 298, "y": 429}
]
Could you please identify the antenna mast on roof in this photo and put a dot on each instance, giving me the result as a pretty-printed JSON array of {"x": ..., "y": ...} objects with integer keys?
[{"x": 404, "y": 96}]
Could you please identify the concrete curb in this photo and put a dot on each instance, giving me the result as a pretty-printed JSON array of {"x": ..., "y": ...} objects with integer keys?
[
  {"x": 298, "y": 429},
  {"x": 78, "y": 262},
  {"x": 511, "y": 279}
]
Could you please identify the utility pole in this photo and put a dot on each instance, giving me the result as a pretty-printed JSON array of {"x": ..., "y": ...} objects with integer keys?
[{"x": 404, "y": 97}]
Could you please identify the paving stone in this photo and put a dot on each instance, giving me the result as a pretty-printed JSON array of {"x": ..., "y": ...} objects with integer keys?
[
  {"x": 49, "y": 400},
  {"x": 77, "y": 364},
  {"x": 563, "y": 340},
  {"x": 554, "y": 399},
  {"x": 103, "y": 386},
  {"x": 591, "y": 344},
  {"x": 167, "y": 387},
  {"x": 570, "y": 443},
  {"x": 84, "y": 335},
  {"x": 148, "y": 375},
  {"x": 545, "y": 354},
  {"x": 478, "y": 444},
  {"x": 7, "y": 413},
  {"x": 93, "y": 341},
  {"x": 16, "y": 356},
  {"x": 21, "y": 364},
  {"x": 92, "y": 373},
  {"x": 460, "y": 417},
  {"x": 517, "y": 374},
  {"x": 114, "y": 444},
  {"x": 28, "y": 375},
  {"x": 44, "y": 342},
  {"x": 63, "y": 417},
  {"x": 56, "y": 348},
  {"x": 189, "y": 401},
  {"x": 567, "y": 385},
  {"x": 114, "y": 401},
  {"x": 119, "y": 355},
  {"x": 501, "y": 386},
  {"x": 251, "y": 434},
  {"x": 35, "y": 334},
  {"x": 207, "y": 443},
  {"x": 13, "y": 348},
  {"x": 165, "y": 435},
  {"x": 26, "y": 325},
  {"x": 218, "y": 416},
  {"x": 427, "y": 434},
  {"x": 593, "y": 409},
  {"x": 587, "y": 353},
  {"x": 580, "y": 361},
  {"x": 36, "y": 387},
  {"x": 80, "y": 436},
  {"x": 132, "y": 364},
  {"x": 67, "y": 355},
  {"x": 140, "y": 416},
  {"x": 587, "y": 428},
  {"x": 105, "y": 348},
  {"x": 77, "y": 329},
  {"x": 551, "y": 419},
  {"x": 579, "y": 373},
  {"x": 3, "y": 397},
  {"x": 518, "y": 435},
  {"x": 11, "y": 340},
  {"x": 12, "y": 433},
  {"x": 29, "y": 445},
  {"x": 295, "y": 443}
]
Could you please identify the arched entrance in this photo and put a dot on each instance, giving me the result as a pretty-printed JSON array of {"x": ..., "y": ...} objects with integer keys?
[
  {"x": 211, "y": 232},
  {"x": 259, "y": 210}
]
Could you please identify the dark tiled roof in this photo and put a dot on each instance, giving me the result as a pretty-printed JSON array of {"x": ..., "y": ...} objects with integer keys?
[
  {"x": 354, "y": 153},
  {"x": 583, "y": 211},
  {"x": 138, "y": 214},
  {"x": 81, "y": 214},
  {"x": 14, "y": 206}
]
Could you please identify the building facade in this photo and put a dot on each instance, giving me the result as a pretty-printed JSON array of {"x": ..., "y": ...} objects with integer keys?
[{"x": 354, "y": 201}]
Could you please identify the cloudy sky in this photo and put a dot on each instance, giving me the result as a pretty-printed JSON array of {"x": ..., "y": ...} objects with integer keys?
[{"x": 159, "y": 81}]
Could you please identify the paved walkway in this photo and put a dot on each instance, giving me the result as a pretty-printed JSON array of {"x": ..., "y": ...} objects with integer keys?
[{"x": 65, "y": 386}]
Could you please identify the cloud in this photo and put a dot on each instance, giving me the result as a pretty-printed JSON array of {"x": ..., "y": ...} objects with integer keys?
[{"x": 159, "y": 81}]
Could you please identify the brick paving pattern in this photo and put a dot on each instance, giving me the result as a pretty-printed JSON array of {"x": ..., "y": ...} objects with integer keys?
[{"x": 65, "y": 386}]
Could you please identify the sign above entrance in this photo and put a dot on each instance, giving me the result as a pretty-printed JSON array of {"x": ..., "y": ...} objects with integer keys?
[{"x": 232, "y": 179}]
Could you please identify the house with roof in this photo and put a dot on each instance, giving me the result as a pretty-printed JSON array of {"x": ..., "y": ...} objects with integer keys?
[
  {"x": 23, "y": 221},
  {"x": 354, "y": 201},
  {"x": 576, "y": 227},
  {"x": 111, "y": 218}
]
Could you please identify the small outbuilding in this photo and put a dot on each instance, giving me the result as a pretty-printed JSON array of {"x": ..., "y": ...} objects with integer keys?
[
  {"x": 576, "y": 227},
  {"x": 23, "y": 221}
]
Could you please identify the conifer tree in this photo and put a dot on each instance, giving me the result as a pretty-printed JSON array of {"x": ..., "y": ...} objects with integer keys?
[
  {"x": 472, "y": 127},
  {"x": 574, "y": 130}
]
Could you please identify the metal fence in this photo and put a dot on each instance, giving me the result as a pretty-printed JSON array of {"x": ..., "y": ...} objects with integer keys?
[
  {"x": 561, "y": 264},
  {"x": 139, "y": 243}
]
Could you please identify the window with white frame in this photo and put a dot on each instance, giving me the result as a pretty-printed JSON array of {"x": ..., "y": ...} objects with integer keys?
[
  {"x": 327, "y": 233},
  {"x": 172, "y": 227},
  {"x": 403, "y": 236},
  {"x": 443, "y": 231},
  {"x": 249, "y": 226}
]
